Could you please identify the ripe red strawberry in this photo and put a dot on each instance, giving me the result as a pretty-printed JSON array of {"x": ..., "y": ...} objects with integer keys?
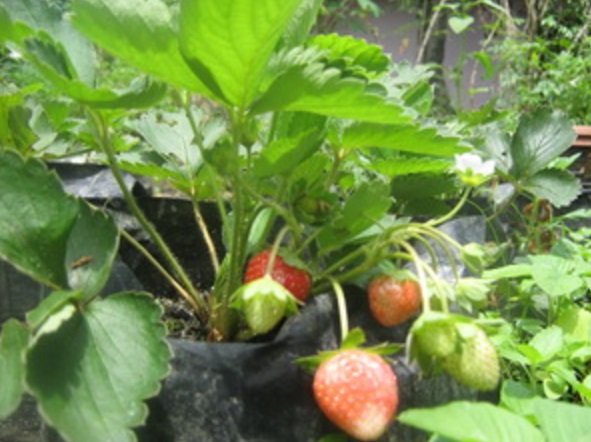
[
  {"x": 357, "y": 391},
  {"x": 393, "y": 301},
  {"x": 294, "y": 279},
  {"x": 476, "y": 363}
]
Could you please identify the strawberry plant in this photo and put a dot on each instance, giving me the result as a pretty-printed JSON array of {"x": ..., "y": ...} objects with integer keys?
[{"x": 299, "y": 141}]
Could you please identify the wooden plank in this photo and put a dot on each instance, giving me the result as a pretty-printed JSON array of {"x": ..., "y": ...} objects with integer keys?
[
  {"x": 582, "y": 130},
  {"x": 583, "y": 136}
]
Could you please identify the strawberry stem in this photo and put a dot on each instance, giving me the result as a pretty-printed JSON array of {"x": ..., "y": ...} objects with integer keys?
[
  {"x": 342, "y": 307},
  {"x": 421, "y": 274},
  {"x": 274, "y": 250},
  {"x": 449, "y": 215}
]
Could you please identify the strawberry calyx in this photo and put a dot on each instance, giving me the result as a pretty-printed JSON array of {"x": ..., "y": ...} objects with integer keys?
[
  {"x": 264, "y": 303},
  {"x": 354, "y": 340}
]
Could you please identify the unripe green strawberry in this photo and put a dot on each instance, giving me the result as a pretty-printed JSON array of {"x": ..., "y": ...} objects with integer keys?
[
  {"x": 358, "y": 391},
  {"x": 437, "y": 339},
  {"x": 475, "y": 363},
  {"x": 263, "y": 302}
]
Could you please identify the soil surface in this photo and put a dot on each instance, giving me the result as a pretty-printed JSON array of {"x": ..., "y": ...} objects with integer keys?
[{"x": 181, "y": 321}]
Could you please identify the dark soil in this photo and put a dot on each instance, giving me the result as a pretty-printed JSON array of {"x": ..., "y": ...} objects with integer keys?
[{"x": 181, "y": 321}]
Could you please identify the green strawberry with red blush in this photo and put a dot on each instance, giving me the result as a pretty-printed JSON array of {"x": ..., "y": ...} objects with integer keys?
[{"x": 293, "y": 278}]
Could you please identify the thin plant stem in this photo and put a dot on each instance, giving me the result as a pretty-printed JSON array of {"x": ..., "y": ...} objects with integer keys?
[
  {"x": 209, "y": 243},
  {"x": 275, "y": 249},
  {"x": 173, "y": 282},
  {"x": 449, "y": 215},
  {"x": 105, "y": 144},
  {"x": 342, "y": 262},
  {"x": 421, "y": 274},
  {"x": 277, "y": 208},
  {"x": 448, "y": 253},
  {"x": 342, "y": 308}
]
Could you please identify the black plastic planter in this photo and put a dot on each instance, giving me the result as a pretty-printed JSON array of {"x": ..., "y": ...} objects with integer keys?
[{"x": 255, "y": 392}]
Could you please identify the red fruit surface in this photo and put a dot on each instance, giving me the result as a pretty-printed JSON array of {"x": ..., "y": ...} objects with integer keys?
[
  {"x": 358, "y": 392},
  {"x": 393, "y": 301},
  {"x": 294, "y": 279}
]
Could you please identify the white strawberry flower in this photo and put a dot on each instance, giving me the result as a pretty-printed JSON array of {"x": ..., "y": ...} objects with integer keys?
[{"x": 472, "y": 169}]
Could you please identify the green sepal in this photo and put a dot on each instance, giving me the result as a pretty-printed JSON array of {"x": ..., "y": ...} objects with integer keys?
[
  {"x": 263, "y": 303},
  {"x": 354, "y": 339}
]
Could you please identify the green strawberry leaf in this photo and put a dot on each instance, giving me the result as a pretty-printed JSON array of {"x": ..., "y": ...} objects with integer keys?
[
  {"x": 284, "y": 155},
  {"x": 89, "y": 258},
  {"x": 459, "y": 23},
  {"x": 171, "y": 136},
  {"x": 472, "y": 422},
  {"x": 51, "y": 305},
  {"x": 421, "y": 186},
  {"x": 576, "y": 322},
  {"x": 44, "y": 231},
  {"x": 67, "y": 59},
  {"x": 150, "y": 164},
  {"x": 509, "y": 272},
  {"x": 228, "y": 44},
  {"x": 303, "y": 19},
  {"x": 13, "y": 342},
  {"x": 559, "y": 187},
  {"x": 354, "y": 51},
  {"x": 132, "y": 29},
  {"x": 540, "y": 137},
  {"x": 312, "y": 88},
  {"x": 548, "y": 342},
  {"x": 496, "y": 146},
  {"x": 46, "y": 21},
  {"x": 15, "y": 131},
  {"x": 54, "y": 63},
  {"x": 405, "y": 165},
  {"x": 555, "y": 275},
  {"x": 562, "y": 422},
  {"x": 419, "y": 96},
  {"x": 90, "y": 369},
  {"x": 36, "y": 218},
  {"x": 402, "y": 137},
  {"x": 366, "y": 205},
  {"x": 10, "y": 31}
]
